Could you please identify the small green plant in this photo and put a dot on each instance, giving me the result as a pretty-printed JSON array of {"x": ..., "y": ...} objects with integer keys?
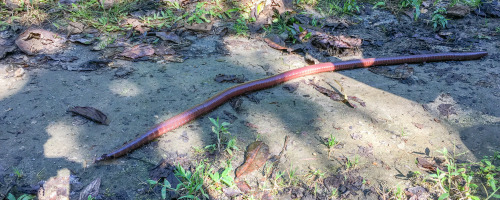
[
  {"x": 223, "y": 136},
  {"x": 334, "y": 194},
  {"x": 219, "y": 129},
  {"x": 211, "y": 148},
  {"x": 241, "y": 27},
  {"x": 90, "y": 197},
  {"x": 454, "y": 182},
  {"x": 231, "y": 146},
  {"x": 399, "y": 193},
  {"x": 164, "y": 186},
  {"x": 438, "y": 20},
  {"x": 497, "y": 29},
  {"x": 190, "y": 186},
  {"x": 351, "y": 164},
  {"x": 18, "y": 173},
  {"x": 413, "y": 3},
  {"x": 198, "y": 15},
  {"x": 350, "y": 6},
  {"x": 313, "y": 178},
  {"x": 22, "y": 197},
  {"x": 378, "y": 4},
  {"x": 489, "y": 172},
  {"x": 222, "y": 178},
  {"x": 293, "y": 179},
  {"x": 332, "y": 141},
  {"x": 191, "y": 183}
]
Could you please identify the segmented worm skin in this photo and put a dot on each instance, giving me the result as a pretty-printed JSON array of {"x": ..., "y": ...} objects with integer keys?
[{"x": 259, "y": 84}]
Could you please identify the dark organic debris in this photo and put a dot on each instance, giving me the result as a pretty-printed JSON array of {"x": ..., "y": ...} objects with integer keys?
[
  {"x": 90, "y": 113},
  {"x": 446, "y": 109},
  {"x": 184, "y": 137},
  {"x": 336, "y": 96},
  {"x": 489, "y": 9},
  {"x": 123, "y": 72},
  {"x": 62, "y": 58},
  {"x": 138, "y": 51},
  {"x": 221, "y": 78},
  {"x": 365, "y": 151},
  {"x": 90, "y": 65},
  {"x": 172, "y": 37},
  {"x": 236, "y": 103},
  {"x": 162, "y": 50},
  {"x": 243, "y": 186},
  {"x": 165, "y": 170},
  {"x": 252, "y": 97},
  {"x": 231, "y": 117},
  {"x": 91, "y": 190},
  {"x": 356, "y": 99},
  {"x": 274, "y": 45},
  {"x": 38, "y": 41},
  {"x": 291, "y": 87},
  {"x": 82, "y": 39},
  {"x": 347, "y": 184},
  {"x": 6, "y": 49},
  {"x": 326, "y": 41},
  {"x": 256, "y": 155},
  {"x": 417, "y": 193},
  {"x": 400, "y": 72}
]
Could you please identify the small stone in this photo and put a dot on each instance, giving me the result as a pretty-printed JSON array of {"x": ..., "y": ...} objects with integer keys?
[
  {"x": 314, "y": 154},
  {"x": 19, "y": 72},
  {"x": 458, "y": 11}
]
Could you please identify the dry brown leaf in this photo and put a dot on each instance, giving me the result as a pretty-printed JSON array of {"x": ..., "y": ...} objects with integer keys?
[
  {"x": 138, "y": 51},
  {"x": 90, "y": 113},
  {"x": 256, "y": 155},
  {"x": 91, "y": 189}
]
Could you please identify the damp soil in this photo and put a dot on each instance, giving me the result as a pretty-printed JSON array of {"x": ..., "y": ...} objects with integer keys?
[{"x": 451, "y": 105}]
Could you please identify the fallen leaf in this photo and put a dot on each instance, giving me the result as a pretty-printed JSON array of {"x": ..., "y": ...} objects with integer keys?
[
  {"x": 172, "y": 37},
  {"x": 138, "y": 51},
  {"x": 90, "y": 113},
  {"x": 424, "y": 163},
  {"x": 276, "y": 46},
  {"x": 256, "y": 155},
  {"x": 91, "y": 190}
]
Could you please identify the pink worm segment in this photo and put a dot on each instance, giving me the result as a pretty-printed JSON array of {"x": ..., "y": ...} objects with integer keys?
[{"x": 259, "y": 84}]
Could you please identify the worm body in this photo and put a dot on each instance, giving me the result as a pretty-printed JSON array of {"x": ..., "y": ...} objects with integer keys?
[{"x": 259, "y": 84}]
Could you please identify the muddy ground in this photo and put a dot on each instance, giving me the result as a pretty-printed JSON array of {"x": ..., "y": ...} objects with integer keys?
[{"x": 453, "y": 105}]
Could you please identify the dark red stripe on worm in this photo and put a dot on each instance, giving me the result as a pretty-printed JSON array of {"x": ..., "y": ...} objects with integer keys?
[{"x": 259, "y": 84}]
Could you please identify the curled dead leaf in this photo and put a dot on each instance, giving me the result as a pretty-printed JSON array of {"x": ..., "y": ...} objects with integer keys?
[
  {"x": 256, "y": 155},
  {"x": 90, "y": 113}
]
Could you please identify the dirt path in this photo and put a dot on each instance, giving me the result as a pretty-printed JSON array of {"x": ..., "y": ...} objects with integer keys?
[{"x": 446, "y": 104}]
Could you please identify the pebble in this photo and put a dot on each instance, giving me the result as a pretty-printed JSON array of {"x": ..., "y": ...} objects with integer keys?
[
  {"x": 314, "y": 154},
  {"x": 19, "y": 72}
]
